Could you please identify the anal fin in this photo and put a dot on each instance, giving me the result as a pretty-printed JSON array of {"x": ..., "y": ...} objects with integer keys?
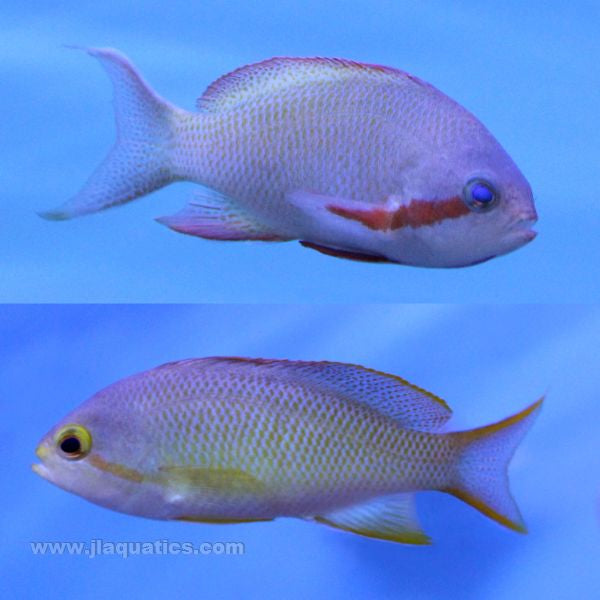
[
  {"x": 391, "y": 518},
  {"x": 214, "y": 216}
]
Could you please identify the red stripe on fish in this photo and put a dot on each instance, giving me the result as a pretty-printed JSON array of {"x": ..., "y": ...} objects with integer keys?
[{"x": 416, "y": 214}]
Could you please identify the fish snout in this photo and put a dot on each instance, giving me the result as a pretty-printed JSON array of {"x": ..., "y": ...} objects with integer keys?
[{"x": 42, "y": 451}]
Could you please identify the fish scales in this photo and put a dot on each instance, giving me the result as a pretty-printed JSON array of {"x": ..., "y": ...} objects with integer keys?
[
  {"x": 230, "y": 439},
  {"x": 354, "y": 160},
  {"x": 235, "y": 416},
  {"x": 339, "y": 126}
]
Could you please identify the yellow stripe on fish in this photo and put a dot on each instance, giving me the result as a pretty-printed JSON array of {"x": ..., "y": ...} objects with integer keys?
[
  {"x": 234, "y": 439},
  {"x": 355, "y": 160}
]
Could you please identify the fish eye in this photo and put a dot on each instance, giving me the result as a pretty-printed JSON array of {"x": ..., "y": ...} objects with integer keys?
[
  {"x": 74, "y": 442},
  {"x": 480, "y": 195}
]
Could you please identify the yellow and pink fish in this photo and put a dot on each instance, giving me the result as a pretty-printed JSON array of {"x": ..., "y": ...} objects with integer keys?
[
  {"x": 227, "y": 440},
  {"x": 354, "y": 160}
]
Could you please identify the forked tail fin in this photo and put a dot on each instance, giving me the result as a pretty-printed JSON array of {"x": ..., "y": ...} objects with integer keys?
[
  {"x": 139, "y": 162},
  {"x": 481, "y": 477}
]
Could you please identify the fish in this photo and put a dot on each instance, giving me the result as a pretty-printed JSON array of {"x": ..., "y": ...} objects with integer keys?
[
  {"x": 231, "y": 440},
  {"x": 354, "y": 160}
]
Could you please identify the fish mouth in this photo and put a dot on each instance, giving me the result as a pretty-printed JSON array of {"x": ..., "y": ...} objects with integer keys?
[
  {"x": 523, "y": 227},
  {"x": 40, "y": 468},
  {"x": 528, "y": 234}
]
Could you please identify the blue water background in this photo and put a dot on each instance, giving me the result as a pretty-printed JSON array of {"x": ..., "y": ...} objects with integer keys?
[
  {"x": 528, "y": 70},
  {"x": 486, "y": 362}
]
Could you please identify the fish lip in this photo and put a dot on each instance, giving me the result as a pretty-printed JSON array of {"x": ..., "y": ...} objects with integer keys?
[
  {"x": 42, "y": 470},
  {"x": 523, "y": 226},
  {"x": 529, "y": 234},
  {"x": 525, "y": 232}
]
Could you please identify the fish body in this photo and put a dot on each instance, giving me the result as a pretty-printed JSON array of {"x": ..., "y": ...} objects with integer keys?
[
  {"x": 226, "y": 440},
  {"x": 355, "y": 160}
]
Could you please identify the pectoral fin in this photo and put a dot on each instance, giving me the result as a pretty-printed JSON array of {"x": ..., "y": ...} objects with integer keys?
[
  {"x": 336, "y": 212},
  {"x": 219, "y": 484},
  {"x": 217, "y": 481},
  {"x": 390, "y": 214},
  {"x": 391, "y": 518}
]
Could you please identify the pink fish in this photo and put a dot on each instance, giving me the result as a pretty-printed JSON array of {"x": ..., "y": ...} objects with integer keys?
[
  {"x": 354, "y": 160},
  {"x": 228, "y": 440}
]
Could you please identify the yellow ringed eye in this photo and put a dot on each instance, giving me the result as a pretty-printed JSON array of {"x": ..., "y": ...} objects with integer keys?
[{"x": 73, "y": 441}]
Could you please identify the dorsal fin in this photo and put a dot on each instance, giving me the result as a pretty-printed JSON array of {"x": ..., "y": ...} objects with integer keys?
[
  {"x": 390, "y": 395},
  {"x": 268, "y": 76}
]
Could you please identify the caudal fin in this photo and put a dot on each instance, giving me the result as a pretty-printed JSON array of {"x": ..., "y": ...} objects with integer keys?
[
  {"x": 139, "y": 162},
  {"x": 481, "y": 477}
]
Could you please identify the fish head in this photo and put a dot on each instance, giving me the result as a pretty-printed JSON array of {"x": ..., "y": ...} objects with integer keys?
[
  {"x": 473, "y": 202},
  {"x": 95, "y": 454}
]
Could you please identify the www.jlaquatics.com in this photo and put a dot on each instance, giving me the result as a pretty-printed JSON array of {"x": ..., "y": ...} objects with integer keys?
[{"x": 99, "y": 547}]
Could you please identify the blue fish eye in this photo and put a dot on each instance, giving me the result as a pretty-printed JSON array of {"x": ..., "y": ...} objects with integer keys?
[{"x": 479, "y": 195}]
